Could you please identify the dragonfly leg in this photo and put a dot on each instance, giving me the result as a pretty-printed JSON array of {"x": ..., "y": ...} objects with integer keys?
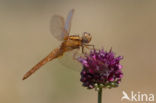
[
  {"x": 88, "y": 45},
  {"x": 82, "y": 49}
]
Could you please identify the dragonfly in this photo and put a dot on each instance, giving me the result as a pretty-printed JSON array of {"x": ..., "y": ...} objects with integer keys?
[{"x": 61, "y": 31}]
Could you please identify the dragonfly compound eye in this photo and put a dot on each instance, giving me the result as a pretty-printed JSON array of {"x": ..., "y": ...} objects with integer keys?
[{"x": 86, "y": 37}]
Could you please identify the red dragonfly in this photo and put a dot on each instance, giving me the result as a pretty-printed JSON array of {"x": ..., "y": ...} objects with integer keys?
[{"x": 60, "y": 30}]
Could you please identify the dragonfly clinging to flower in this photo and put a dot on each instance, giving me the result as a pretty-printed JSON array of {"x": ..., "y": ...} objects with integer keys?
[{"x": 61, "y": 31}]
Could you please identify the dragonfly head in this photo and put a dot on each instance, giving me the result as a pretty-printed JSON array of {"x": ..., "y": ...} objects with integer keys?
[{"x": 86, "y": 37}]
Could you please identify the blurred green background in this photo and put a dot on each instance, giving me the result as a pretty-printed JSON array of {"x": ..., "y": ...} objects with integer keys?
[{"x": 128, "y": 26}]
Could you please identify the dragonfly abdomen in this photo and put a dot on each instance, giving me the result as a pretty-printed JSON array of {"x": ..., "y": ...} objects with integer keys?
[{"x": 54, "y": 54}]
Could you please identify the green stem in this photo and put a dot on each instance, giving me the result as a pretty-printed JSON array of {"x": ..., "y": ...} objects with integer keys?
[{"x": 100, "y": 95}]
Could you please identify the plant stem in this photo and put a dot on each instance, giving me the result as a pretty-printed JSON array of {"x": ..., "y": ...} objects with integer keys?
[{"x": 100, "y": 95}]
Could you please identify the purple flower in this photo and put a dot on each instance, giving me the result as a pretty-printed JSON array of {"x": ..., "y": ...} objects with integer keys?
[{"x": 100, "y": 69}]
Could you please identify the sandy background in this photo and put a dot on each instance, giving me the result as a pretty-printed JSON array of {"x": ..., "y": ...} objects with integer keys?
[{"x": 128, "y": 26}]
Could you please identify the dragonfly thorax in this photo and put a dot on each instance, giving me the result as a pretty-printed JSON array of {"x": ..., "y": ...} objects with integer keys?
[{"x": 86, "y": 37}]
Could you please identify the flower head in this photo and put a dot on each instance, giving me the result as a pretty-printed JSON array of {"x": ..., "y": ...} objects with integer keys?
[{"x": 100, "y": 69}]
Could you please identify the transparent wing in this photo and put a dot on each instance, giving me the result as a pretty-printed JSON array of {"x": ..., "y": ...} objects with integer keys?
[
  {"x": 68, "y": 21},
  {"x": 68, "y": 61},
  {"x": 57, "y": 27}
]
